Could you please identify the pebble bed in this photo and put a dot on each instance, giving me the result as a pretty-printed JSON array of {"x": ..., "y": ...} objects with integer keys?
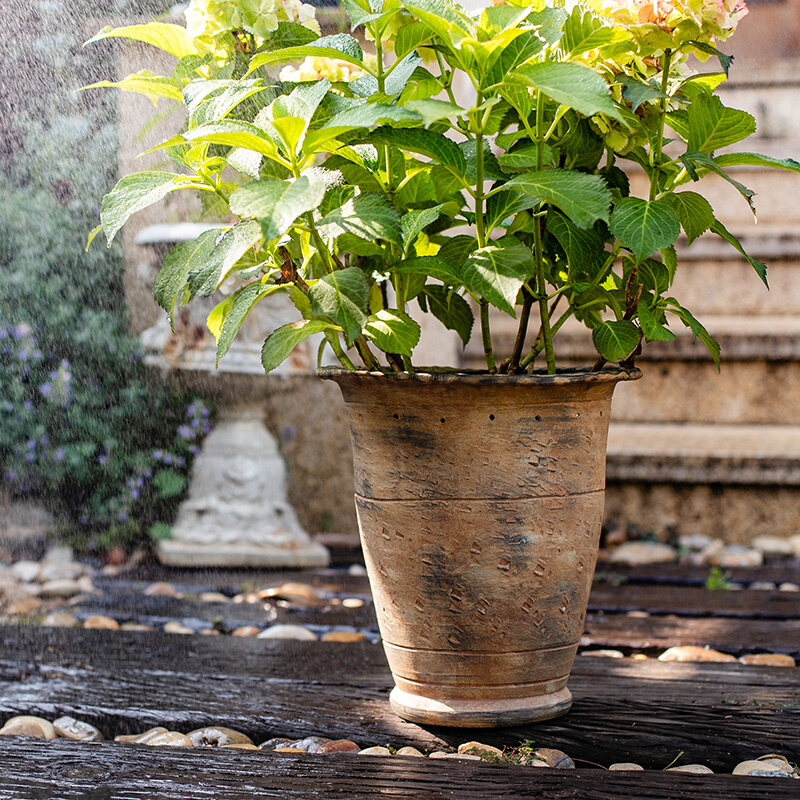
[{"x": 527, "y": 754}]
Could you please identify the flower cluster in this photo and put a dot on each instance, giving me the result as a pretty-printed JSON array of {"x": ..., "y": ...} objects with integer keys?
[
  {"x": 314, "y": 68},
  {"x": 216, "y": 25},
  {"x": 669, "y": 24}
]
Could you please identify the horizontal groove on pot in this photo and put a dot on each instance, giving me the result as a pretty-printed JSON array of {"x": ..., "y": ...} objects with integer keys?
[{"x": 489, "y": 691}]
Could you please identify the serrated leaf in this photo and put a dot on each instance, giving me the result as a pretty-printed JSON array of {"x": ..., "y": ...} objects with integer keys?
[
  {"x": 637, "y": 93},
  {"x": 175, "y": 267},
  {"x": 760, "y": 268},
  {"x": 644, "y": 227},
  {"x": 570, "y": 84},
  {"x": 340, "y": 46},
  {"x": 670, "y": 260},
  {"x": 615, "y": 340},
  {"x": 698, "y": 331},
  {"x": 288, "y": 34},
  {"x": 654, "y": 276},
  {"x": 370, "y": 216},
  {"x": 413, "y": 222},
  {"x": 205, "y": 277},
  {"x": 583, "y": 198},
  {"x": 277, "y": 204},
  {"x": 342, "y": 297},
  {"x": 239, "y": 307},
  {"x": 433, "y": 110},
  {"x": 206, "y": 107},
  {"x": 584, "y": 248},
  {"x": 693, "y": 159},
  {"x": 457, "y": 248},
  {"x": 280, "y": 343},
  {"x": 399, "y": 73},
  {"x": 233, "y": 133},
  {"x": 248, "y": 162},
  {"x": 433, "y": 266},
  {"x": 725, "y": 61},
  {"x": 439, "y": 148},
  {"x": 367, "y": 115},
  {"x": 448, "y": 20},
  {"x": 146, "y": 83},
  {"x": 712, "y": 125},
  {"x": 652, "y": 329},
  {"x": 583, "y": 32},
  {"x": 525, "y": 157},
  {"x": 410, "y": 37},
  {"x": 172, "y": 39},
  {"x": 756, "y": 160},
  {"x": 694, "y": 212},
  {"x": 502, "y": 205},
  {"x": 491, "y": 166},
  {"x": 515, "y": 52},
  {"x": 392, "y": 331},
  {"x": 134, "y": 193},
  {"x": 451, "y": 309},
  {"x": 497, "y": 273}
]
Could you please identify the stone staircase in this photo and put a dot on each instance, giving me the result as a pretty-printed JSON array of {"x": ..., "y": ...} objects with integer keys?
[{"x": 691, "y": 450}]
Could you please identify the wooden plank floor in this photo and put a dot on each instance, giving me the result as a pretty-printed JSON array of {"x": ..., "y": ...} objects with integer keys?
[{"x": 625, "y": 710}]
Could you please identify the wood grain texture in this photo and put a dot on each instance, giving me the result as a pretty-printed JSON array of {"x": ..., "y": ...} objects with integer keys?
[{"x": 76, "y": 771}]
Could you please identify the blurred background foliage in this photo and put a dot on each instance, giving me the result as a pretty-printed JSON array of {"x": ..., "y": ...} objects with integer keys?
[{"x": 85, "y": 427}]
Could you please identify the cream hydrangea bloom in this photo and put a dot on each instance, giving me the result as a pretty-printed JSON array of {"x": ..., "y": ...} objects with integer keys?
[{"x": 314, "y": 68}]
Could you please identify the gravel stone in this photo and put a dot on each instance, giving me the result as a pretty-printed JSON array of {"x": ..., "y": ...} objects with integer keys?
[
  {"x": 60, "y": 619},
  {"x": 696, "y": 769},
  {"x": 410, "y": 751},
  {"x": 375, "y": 751},
  {"x": 770, "y": 765},
  {"x": 557, "y": 759},
  {"x": 480, "y": 749},
  {"x": 71, "y": 728},
  {"x": 338, "y": 746},
  {"x": 141, "y": 738},
  {"x": 301, "y": 594},
  {"x": 247, "y": 631},
  {"x": 217, "y": 736},
  {"x": 25, "y": 571},
  {"x": 643, "y": 553},
  {"x": 100, "y": 622},
  {"x": 161, "y": 589},
  {"x": 177, "y": 627},
  {"x": 60, "y": 588},
  {"x": 694, "y": 653},
  {"x": 625, "y": 766},
  {"x": 214, "y": 597},
  {"x": 36, "y": 727},
  {"x": 275, "y": 742},
  {"x": 768, "y": 660},
  {"x": 343, "y": 636},
  {"x": 789, "y": 587},
  {"x": 288, "y": 632},
  {"x": 169, "y": 739}
]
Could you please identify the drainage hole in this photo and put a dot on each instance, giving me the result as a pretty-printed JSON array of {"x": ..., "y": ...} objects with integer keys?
[
  {"x": 397, "y": 416},
  {"x": 538, "y": 418},
  {"x": 442, "y": 419},
  {"x": 491, "y": 416}
]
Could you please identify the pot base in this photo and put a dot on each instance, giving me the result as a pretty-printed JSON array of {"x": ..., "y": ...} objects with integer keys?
[{"x": 479, "y": 713}]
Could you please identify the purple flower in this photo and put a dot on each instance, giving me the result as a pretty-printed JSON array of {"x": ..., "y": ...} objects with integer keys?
[
  {"x": 167, "y": 459},
  {"x": 45, "y": 389},
  {"x": 59, "y": 454},
  {"x": 148, "y": 473},
  {"x": 3, "y": 334},
  {"x": 195, "y": 423},
  {"x": 44, "y": 439},
  {"x": 185, "y": 432},
  {"x": 84, "y": 520},
  {"x": 20, "y": 331},
  {"x": 135, "y": 494},
  {"x": 180, "y": 461},
  {"x": 122, "y": 516},
  {"x": 23, "y": 354},
  {"x": 28, "y": 405},
  {"x": 207, "y": 428},
  {"x": 194, "y": 450},
  {"x": 31, "y": 444},
  {"x": 30, "y": 457},
  {"x": 157, "y": 455},
  {"x": 206, "y": 413},
  {"x": 37, "y": 355},
  {"x": 191, "y": 410},
  {"x": 140, "y": 482},
  {"x": 11, "y": 476},
  {"x": 102, "y": 458},
  {"x": 65, "y": 364}
]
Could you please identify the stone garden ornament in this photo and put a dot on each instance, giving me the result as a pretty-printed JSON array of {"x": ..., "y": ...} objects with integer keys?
[{"x": 356, "y": 179}]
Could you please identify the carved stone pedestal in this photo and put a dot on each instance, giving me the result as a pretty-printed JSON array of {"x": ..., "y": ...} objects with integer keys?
[{"x": 237, "y": 514}]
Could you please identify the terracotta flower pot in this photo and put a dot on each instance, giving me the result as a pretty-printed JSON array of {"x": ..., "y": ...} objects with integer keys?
[{"x": 480, "y": 501}]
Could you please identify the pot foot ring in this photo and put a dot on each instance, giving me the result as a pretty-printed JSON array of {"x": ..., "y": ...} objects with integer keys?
[{"x": 479, "y": 713}]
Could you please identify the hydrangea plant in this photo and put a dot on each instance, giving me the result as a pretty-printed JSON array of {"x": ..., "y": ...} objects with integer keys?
[{"x": 474, "y": 160}]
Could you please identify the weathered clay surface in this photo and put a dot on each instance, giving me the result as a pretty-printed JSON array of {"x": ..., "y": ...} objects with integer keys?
[{"x": 460, "y": 483}]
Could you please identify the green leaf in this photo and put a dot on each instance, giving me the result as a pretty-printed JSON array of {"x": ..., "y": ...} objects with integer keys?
[
  {"x": 428, "y": 143},
  {"x": 208, "y": 104},
  {"x": 502, "y": 205},
  {"x": 239, "y": 306},
  {"x": 654, "y": 276},
  {"x": 615, "y": 340},
  {"x": 146, "y": 83},
  {"x": 204, "y": 277},
  {"x": 280, "y": 343},
  {"x": 288, "y": 34},
  {"x": 360, "y": 11},
  {"x": 583, "y": 198},
  {"x": 712, "y": 125},
  {"x": 433, "y": 110},
  {"x": 644, "y": 227},
  {"x": 637, "y": 93},
  {"x": 491, "y": 166},
  {"x": 392, "y": 331},
  {"x": 694, "y": 212},
  {"x": 134, "y": 193},
  {"x": 342, "y": 297},
  {"x": 169, "y": 483},
  {"x": 449, "y": 21},
  {"x": 652, "y": 329},
  {"x": 413, "y": 222},
  {"x": 697, "y": 329},
  {"x": 583, "y": 32},
  {"x": 725, "y": 61},
  {"x": 524, "y": 157},
  {"x": 277, "y": 204},
  {"x": 340, "y": 46},
  {"x": 399, "y": 73},
  {"x": 172, "y": 39},
  {"x": 457, "y": 248},
  {"x": 451, "y": 309},
  {"x": 670, "y": 260},
  {"x": 760, "y": 268},
  {"x": 756, "y": 160},
  {"x": 370, "y": 216},
  {"x": 433, "y": 266},
  {"x": 498, "y": 272},
  {"x": 176, "y": 266},
  {"x": 694, "y": 159},
  {"x": 367, "y": 115},
  {"x": 410, "y": 37},
  {"x": 584, "y": 248},
  {"x": 233, "y": 133},
  {"x": 571, "y": 85},
  {"x": 516, "y": 52}
]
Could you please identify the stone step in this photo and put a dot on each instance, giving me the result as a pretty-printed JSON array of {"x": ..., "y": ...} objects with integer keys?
[{"x": 728, "y": 481}]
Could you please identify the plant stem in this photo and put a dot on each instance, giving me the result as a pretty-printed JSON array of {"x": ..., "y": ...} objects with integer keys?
[
  {"x": 522, "y": 330},
  {"x": 539, "y": 346},
  {"x": 541, "y": 284},
  {"x": 487, "y": 337},
  {"x": 370, "y": 362},
  {"x": 655, "y": 156},
  {"x": 333, "y": 341}
]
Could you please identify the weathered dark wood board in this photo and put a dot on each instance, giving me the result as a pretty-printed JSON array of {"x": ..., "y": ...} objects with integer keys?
[
  {"x": 35, "y": 770},
  {"x": 624, "y": 710},
  {"x": 681, "y": 574},
  {"x": 656, "y": 633}
]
